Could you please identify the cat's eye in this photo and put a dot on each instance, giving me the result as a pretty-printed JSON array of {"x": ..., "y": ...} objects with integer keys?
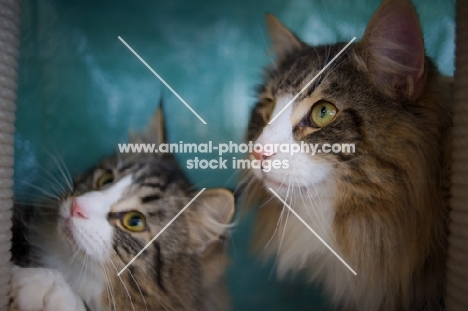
[
  {"x": 322, "y": 114},
  {"x": 105, "y": 179},
  {"x": 134, "y": 221}
]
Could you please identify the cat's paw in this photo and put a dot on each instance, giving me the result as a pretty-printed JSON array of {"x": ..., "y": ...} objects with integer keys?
[{"x": 42, "y": 289}]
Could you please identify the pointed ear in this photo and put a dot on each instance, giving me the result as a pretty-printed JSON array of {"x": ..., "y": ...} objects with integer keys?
[
  {"x": 157, "y": 127},
  {"x": 283, "y": 41},
  {"x": 393, "y": 48},
  {"x": 155, "y": 133},
  {"x": 210, "y": 218}
]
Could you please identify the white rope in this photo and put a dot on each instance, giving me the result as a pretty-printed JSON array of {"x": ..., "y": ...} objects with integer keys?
[
  {"x": 9, "y": 43},
  {"x": 457, "y": 264}
]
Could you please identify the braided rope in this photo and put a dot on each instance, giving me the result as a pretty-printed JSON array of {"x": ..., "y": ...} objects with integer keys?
[
  {"x": 457, "y": 264},
  {"x": 9, "y": 43}
]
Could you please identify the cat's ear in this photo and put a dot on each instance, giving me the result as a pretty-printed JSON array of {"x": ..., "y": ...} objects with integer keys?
[
  {"x": 393, "y": 48},
  {"x": 283, "y": 41},
  {"x": 155, "y": 133},
  {"x": 157, "y": 127},
  {"x": 210, "y": 218}
]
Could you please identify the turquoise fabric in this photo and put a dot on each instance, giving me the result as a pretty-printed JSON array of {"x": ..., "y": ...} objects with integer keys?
[{"x": 81, "y": 90}]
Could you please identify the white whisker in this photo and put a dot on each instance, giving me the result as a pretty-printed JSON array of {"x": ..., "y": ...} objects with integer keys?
[{"x": 131, "y": 275}]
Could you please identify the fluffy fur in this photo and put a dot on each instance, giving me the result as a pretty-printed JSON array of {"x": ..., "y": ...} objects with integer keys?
[
  {"x": 383, "y": 208},
  {"x": 79, "y": 245}
]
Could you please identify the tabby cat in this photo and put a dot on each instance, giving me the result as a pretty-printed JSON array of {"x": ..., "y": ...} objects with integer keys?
[
  {"x": 383, "y": 208},
  {"x": 112, "y": 212}
]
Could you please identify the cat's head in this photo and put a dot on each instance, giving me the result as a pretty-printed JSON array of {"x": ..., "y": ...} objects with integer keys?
[
  {"x": 121, "y": 205},
  {"x": 368, "y": 102},
  {"x": 118, "y": 208}
]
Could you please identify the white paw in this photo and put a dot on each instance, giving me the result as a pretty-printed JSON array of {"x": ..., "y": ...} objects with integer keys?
[{"x": 42, "y": 289}]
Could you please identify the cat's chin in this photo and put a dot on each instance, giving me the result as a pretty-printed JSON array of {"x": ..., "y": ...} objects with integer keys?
[
  {"x": 69, "y": 236},
  {"x": 283, "y": 188},
  {"x": 277, "y": 186}
]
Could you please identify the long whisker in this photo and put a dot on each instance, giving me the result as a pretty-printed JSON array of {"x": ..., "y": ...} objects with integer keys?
[
  {"x": 67, "y": 178},
  {"x": 54, "y": 181},
  {"x": 284, "y": 226},
  {"x": 85, "y": 266},
  {"x": 42, "y": 190},
  {"x": 131, "y": 275},
  {"x": 123, "y": 283},
  {"x": 66, "y": 170},
  {"x": 277, "y": 223},
  {"x": 46, "y": 205},
  {"x": 108, "y": 285}
]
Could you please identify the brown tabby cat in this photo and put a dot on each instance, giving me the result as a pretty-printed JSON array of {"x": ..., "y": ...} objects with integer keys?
[
  {"x": 112, "y": 212},
  {"x": 384, "y": 207}
]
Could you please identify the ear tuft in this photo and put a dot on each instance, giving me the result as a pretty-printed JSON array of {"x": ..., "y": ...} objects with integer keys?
[
  {"x": 155, "y": 133},
  {"x": 283, "y": 41},
  {"x": 157, "y": 127},
  {"x": 393, "y": 48},
  {"x": 210, "y": 218}
]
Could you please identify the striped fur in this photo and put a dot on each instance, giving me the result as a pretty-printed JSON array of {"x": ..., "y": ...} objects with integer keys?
[
  {"x": 181, "y": 270},
  {"x": 384, "y": 207}
]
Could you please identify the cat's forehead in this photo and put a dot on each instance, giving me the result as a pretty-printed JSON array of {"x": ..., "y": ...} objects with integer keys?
[
  {"x": 146, "y": 171},
  {"x": 301, "y": 71},
  {"x": 303, "y": 62},
  {"x": 144, "y": 168},
  {"x": 151, "y": 184},
  {"x": 344, "y": 83}
]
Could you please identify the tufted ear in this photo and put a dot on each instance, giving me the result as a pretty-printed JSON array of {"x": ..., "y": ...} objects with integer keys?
[
  {"x": 210, "y": 218},
  {"x": 157, "y": 127},
  {"x": 283, "y": 41},
  {"x": 155, "y": 133},
  {"x": 393, "y": 48}
]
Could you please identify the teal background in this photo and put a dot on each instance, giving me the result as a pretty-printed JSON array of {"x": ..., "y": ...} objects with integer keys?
[{"x": 81, "y": 90}]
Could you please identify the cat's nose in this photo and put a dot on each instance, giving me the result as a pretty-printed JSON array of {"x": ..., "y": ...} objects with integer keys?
[
  {"x": 261, "y": 156},
  {"x": 77, "y": 210},
  {"x": 258, "y": 156}
]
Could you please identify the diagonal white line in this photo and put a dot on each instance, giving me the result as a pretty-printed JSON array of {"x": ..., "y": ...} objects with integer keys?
[
  {"x": 160, "y": 232},
  {"x": 312, "y": 230},
  {"x": 162, "y": 80},
  {"x": 311, "y": 81}
]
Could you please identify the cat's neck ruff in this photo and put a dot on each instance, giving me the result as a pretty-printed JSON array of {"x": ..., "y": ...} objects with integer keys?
[
  {"x": 298, "y": 249},
  {"x": 295, "y": 244}
]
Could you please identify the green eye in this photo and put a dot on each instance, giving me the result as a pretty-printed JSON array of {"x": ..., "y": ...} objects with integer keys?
[
  {"x": 106, "y": 178},
  {"x": 323, "y": 113},
  {"x": 134, "y": 221}
]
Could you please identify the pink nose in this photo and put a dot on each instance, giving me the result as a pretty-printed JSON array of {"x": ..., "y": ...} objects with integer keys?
[
  {"x": 261, "y": 156},
  {"x": 258, "y": 156},
  {"x": 77, "y": 210}
]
